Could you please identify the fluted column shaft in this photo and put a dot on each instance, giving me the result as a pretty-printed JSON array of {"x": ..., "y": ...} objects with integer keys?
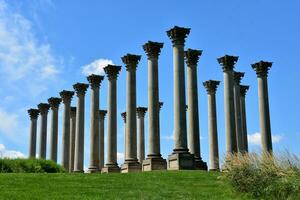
[
  {"x": 72, "y": 138},
  {"x": 227, "y": 63},
  {"x": 111, "y": 165},
  {"x": 43, "y": 108},
  {"x": 243, "y": 90},
  {"x": 192, "y": 57},
  {"x": 95, "y": 81},
  {"x": 54, "y": 105},
  {"x": 102, "y": 114},
  {"x": 123, "y": 114},
  {"x": 237, "y": 76},
  {"x": 211, "y": 87},
  {"x": 65, "y": 149},
  {"x": 141, "y": 111},
  {"x": 262, "y": 69},
  {"x": 131, "y": 62},
  {"x": 152, "y": 49},
  {"x": 33, "y": 113},
  {"x": 80, "y": 89}
]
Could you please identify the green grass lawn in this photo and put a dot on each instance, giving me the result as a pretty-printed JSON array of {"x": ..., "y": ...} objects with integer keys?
[{"x": 150, "y": 185}]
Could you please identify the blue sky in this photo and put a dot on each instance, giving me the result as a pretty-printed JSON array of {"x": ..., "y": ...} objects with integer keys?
[{"x": 47, "y": 46}]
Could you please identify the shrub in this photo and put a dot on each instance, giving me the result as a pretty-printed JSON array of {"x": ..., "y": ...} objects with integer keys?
[
  {"x": 264, "y": 176},
  {"x": 29, "y": 166}
]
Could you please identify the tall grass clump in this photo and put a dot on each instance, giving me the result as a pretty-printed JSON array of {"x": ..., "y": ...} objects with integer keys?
[
  {"x": 264, "y": 176},
  {"x": 29, "y": 166}
]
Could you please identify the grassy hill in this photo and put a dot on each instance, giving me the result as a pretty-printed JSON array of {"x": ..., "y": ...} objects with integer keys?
[{"x": 150, "y": 185}]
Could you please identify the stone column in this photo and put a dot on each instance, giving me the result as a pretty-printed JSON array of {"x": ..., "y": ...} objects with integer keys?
[
  {"x": 227, "y": 63},
  {"x": 65, "y": 145},
  {"x": 102, "y": 114},
  {"x": 131, "y": 163},
  {"x": 211, "y": 87},
  {"x": 141, "y": 111},
  {"x": 33, "y": 114},
  {"x": 123, "y": 115},
  {"x": 43, "y": 108},
  {"x": 154, "y": 159},
  {"x": 180, "y": 158},
  {"x": 95, "y": 81},
  {"x": 54, "y": 105},
  {"x": 243, "y": 91},
  {"x": 72, "y": 138},
  {"x": 80, "y": 89},
  {"x": 111, "y": 165},
  {"x": 192, "y": 57},
  {"x": 262, "y": 69},
  {"x": 237, "y": 76}
]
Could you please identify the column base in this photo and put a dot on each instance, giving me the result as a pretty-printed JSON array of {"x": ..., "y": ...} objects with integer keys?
[
  {"x": 151, "y": 164},
  {"x": 181, "y": 161},
  {"x": 131, "y": 167},
  {"x": 93, "y": 170},
  {"x": 200, "y": 164},
  {"x": 110, "y": 168}
]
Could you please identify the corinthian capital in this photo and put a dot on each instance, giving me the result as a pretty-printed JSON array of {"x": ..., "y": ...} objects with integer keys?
[
  {"x": 178, "y": 34},
  {"x": 43, "y": 108},
  {"x": 192, "y": 56},
  {"x": 80, "y": 88},
  {"x": 112, "y": 71},
  {"x": 95, "y": 80},
  {"x": 33, "y": 113},
  {"x": 227, "y": 62},
  {"x": 54, "y": 102},
  {"x": 262, "y": 68},
  {"x": 237, "y": 77},
  {"x": 152, "y": 49},
  {"x": 66, "y": 96},
  {"x": 131, "y": 61},
  {"x": 211, "y": 86}
]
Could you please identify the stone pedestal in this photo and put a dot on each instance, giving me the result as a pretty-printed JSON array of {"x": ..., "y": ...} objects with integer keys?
[
  {"x": 54, "y": 105},
  {"x": 111, "y": 165},
  {"x": 151, "y": 164},
  {"x": 180, "y": 158},
  {"x": 33, "y": 114},
  {"x": 262, "y": 69},
  {"x": 131, "y": 162},
  {"x": 192, "y": 57},
  {"x": 43, "y": 108},
  {"x": 95, "y": 81},
  {"x": 227, "y": 63},
  {"x": 211, "y": 87},
  {"x": 181, "y": 161},
  {"x": 65, "y": 150},
  {"x": 80, "y": 89}
]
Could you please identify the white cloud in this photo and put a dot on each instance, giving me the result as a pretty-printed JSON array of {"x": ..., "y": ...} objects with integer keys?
[
  {"x": 120, "y": 157},
  {"x": 96, "y": 67},
  {"x": 4, "y": 153},
  {"x": 255, "y": 138},
  {"x": 24, "y": 60}
]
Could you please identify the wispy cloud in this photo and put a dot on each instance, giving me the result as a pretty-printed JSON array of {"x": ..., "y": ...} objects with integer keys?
[
  {"x": 24, "y": 61},
  {"x": 4, "y": 153},
  {"x": 96, "y": 67},
  {"x": 255, "y": 138}
]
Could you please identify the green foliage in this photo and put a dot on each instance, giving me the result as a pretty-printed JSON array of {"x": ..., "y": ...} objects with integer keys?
[
  {"x": 264, "y": 177},
  {"x": 29, "y": 166}
]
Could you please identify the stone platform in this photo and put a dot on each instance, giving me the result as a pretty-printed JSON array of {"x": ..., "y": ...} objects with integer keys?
[
  {"x": 151, "y": 164},
  {"x": 181, "y": 161}
]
